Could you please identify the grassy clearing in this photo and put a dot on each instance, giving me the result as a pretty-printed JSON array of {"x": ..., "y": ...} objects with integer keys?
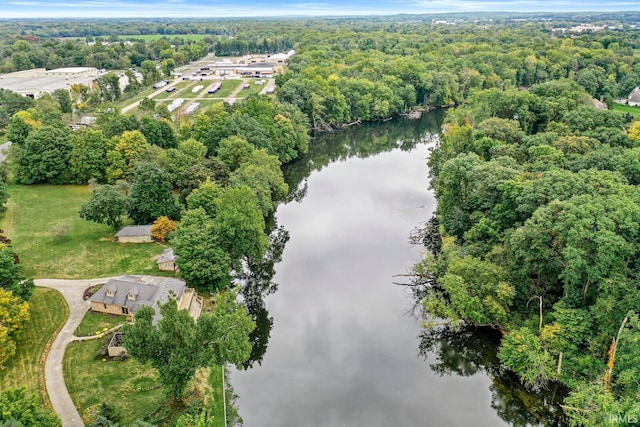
[
  {"x": 129, "y": 386},
  {"x": 97, "y": 322},
  {"x": 49, "y": 312},
  {"x": 635, "y": 111},
  {"x": 87, "y": 251}
]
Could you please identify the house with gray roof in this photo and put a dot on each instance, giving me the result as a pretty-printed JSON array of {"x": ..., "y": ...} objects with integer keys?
[
  {"x": 127, "y": 294},
  {"x": 135, "y": 234}
]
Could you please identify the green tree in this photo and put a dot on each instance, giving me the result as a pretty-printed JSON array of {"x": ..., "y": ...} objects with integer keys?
[
  {"x": 158, "y": 132},
  {"x": 4, "y": 196},
  {"x": 64, "y": 100},
  {"x": 19, "y": 129},
  {"x": 523, "y": 353},
  {"x": 45, "y": 157},
  {"x": 147, "y": 104},
  {"x": 203, "y": 263},
  {"x": 11, "y": 276},
  {"x": 89, "y": 155},
  {"x": 152, "y": 194},
  {"x": 234, "y": 151},
  {"x": 16, "y": 405},
  {"x": 178, "y": 346},
  {"x": 107, "y": 205},
  {"x": 240, "y": 225},
  {"x": 261, "y": 172},
  {"x": 109, "y": 85}
]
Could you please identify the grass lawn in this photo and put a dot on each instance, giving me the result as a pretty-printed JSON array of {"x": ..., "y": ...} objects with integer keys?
[
  {"x": 87, "y": 251},
  {"x": 206, "y": 103},
  {"x": 129, "y": 386},
  {"x": 635, "y": 111},
  {"x": 253, "y": 89},
  {"x": 49, "y": 311},
  {"x": 144, "y": 94},
  {"x": 96, "y": 322},
  {"x": 227, "y": 87},
  {"x": 217, "y": 393}
]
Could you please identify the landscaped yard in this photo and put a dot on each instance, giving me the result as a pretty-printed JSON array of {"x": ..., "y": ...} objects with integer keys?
[
  {"x": 87, "y": 251},
  {"x": 49, "y": 311},
  {"x": 129, "y": 386},
  {"x": 93, "y": 323}
]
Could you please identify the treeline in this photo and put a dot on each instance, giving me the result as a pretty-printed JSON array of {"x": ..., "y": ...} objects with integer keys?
[
  {"x": 24, "y": 53},
  {"x": 538, "y": 207},
  {"x": 351, "y": 75}
]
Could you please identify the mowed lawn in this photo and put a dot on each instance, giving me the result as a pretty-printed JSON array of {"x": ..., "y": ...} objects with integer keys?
[
  {"x": 49, "y": 312},
  {"x": 129, "y": 386},
  {"x": 94, "y": 323},
  {"x": 634, "y": 111},
  {"x": 87, "y": 251}
]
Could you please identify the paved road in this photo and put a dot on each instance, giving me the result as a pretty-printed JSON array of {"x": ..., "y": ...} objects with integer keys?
[
  {"x": 4, "y": 148},
  {"x": 72, "y": 291}
]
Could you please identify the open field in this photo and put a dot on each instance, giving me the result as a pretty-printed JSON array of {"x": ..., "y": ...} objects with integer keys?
[
  {"x": 91, "y": 382},
  {"x": 88, "y": 250},
  {"x": 49, "y": 311},
  {"x": 635, "y": 111}
]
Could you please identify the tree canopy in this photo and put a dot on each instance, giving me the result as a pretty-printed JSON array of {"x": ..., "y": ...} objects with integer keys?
[{"x": 178, "y": 346}]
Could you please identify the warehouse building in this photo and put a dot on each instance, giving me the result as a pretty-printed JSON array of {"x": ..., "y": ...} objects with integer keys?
[{"x": 36, "y": 82}]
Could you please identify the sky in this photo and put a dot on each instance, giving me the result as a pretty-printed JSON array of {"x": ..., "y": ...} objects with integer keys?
[{"x": 232, "y": 8}]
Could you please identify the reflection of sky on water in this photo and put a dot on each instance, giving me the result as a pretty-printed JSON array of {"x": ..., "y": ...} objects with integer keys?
[{"x": 342, "y": 351}]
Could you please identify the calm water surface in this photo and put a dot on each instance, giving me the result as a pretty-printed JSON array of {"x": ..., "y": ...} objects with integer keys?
[{"x": 344, "y": 348}]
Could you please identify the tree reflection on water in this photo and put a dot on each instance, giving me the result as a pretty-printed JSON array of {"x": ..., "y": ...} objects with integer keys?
[{"x": 474, "y": 350}]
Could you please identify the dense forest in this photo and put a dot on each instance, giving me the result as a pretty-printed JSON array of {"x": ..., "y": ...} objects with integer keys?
[{"x": 536, "y": 232}]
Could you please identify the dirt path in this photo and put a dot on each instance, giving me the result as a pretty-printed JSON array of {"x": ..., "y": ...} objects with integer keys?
[{"x": 72, "y": 291}]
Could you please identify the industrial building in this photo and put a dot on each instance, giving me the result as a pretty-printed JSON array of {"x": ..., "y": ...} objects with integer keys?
[{"x": 36, "y": 82}]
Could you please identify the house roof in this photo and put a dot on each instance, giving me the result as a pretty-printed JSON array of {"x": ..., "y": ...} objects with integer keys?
[
  {"x": 634, "y": 96},
  {"x": 167, "y": 255},
  {"x": 135, "y": 230},
  {"x": 147, "y": 290}
]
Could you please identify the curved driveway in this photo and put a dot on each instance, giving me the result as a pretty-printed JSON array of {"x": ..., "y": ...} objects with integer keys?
[{"x": 72, "y": 291}]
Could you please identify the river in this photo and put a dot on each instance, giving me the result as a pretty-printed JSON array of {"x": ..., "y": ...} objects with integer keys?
[{"x": 339, "y": 344}]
